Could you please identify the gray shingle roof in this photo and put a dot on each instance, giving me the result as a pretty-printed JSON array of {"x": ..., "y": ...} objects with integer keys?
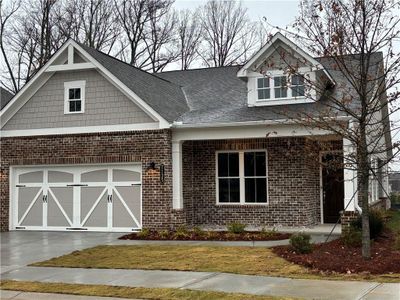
[
  {"x": 5, "y": 97},
  {"x": 164, "y": 97},
  {"x": 217, "y": 95}
]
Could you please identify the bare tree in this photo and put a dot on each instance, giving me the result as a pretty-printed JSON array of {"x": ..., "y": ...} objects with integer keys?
[
  {"x": 189, "y": 37},
  {"x": 5, "y": 14},
  {"x": 227, "y": 33},
  {"x": 356, "y": 38}
]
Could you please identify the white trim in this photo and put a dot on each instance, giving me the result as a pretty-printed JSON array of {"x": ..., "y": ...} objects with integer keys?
[
  {"x": 241, "y": 178},
  {"x": 278, "y": 36},
  {"x": 78, "y": 130},
  {"x": 70, "y": 54},
  {"x": 177, "y": 190},
  {"x": 80, "y": 84},
  {"x": 70, "y": 67}
]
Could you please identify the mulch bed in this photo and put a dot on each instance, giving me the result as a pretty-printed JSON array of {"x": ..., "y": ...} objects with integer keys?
[
  {"x": 336, "y": 257},
  {"x": 209, "y": 236}
]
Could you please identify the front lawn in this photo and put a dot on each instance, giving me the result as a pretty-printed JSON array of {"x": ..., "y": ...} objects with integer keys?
[
  {"x": 126, "y": 292},
  {"x": 238, "y": 260}
]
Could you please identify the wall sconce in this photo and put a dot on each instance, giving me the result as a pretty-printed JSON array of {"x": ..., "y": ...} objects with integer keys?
[{"x": 152, "y": 166}]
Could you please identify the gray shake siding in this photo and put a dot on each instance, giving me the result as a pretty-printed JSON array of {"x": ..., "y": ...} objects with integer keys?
[{"x": 104, "y": 105}]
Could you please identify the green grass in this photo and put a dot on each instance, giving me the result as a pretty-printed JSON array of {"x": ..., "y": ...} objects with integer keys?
[
  {"x": 394, "y": 220},
  {"x": 126, "y": 292},
  {"x": 238, "y": 260}
]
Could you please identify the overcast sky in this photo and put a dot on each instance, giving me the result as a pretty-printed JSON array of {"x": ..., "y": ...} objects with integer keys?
[{"x": 278, "y": 13}]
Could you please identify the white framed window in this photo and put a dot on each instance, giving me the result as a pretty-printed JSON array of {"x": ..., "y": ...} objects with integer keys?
[
  {"x": 74, "y": 97},
  {"x": 242, "y": 177},
  {"x": 281, "y": 89}
]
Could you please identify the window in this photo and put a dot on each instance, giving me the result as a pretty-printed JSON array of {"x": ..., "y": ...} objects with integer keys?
[
  {"x": 281, "y": 89},
  {"x": 74, "y": 97},
  {"x": 242, "y": 177},
  {"x": 263, "y": 88}
]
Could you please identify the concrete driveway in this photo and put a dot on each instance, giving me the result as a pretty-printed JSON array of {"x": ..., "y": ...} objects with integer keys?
[{"x": 20, "y": 248}]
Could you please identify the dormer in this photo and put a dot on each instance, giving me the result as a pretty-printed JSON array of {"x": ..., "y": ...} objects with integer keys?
[{"x": 282, "y": 73}]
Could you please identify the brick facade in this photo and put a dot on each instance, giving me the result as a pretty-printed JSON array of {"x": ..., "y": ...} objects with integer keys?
[
  {"x": 293, "y": 175},
  {"x": 141, "y": 146},
  {"x": 293, "y": 183}
]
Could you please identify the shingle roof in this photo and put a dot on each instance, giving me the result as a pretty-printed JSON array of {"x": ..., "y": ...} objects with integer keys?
[
  {"x": 217, "y": 95},
  {"x": 164, "y": 97},
  {"x": 5, "y": 97}
]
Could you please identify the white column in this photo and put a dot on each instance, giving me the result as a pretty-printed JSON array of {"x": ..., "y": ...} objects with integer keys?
[
  {"x": 70, "y": 54},
  {"x": 177, "y": 196},
  {"x": 350, "y": 177}
]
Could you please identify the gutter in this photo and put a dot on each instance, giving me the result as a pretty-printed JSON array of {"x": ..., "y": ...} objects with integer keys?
[{"x": 177, "y": 124}]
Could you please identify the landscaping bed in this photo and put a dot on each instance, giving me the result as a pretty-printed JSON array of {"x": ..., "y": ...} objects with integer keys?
[
  {"x": 335, "y": 256},
  {"x": 199, "y": 235}
]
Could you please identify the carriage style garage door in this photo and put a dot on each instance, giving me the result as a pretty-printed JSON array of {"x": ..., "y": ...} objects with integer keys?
[{"x": 92, "y": 198}]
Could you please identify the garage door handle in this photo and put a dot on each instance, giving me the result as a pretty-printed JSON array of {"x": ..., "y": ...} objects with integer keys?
[
  {"x": 77, "y": 185},
  {"x": 109, "y": 198}
]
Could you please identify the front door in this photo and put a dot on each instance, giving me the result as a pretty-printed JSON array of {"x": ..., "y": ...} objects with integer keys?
[{"x": 332, "y": 187}]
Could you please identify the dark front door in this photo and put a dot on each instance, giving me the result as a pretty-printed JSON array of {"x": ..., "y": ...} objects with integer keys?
[{"x": 333, "y": 187}]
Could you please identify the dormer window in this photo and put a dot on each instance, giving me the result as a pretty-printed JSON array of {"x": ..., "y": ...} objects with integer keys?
[
  {"x": 281, "y": 89},
  {"x": 74, "y": 94}
]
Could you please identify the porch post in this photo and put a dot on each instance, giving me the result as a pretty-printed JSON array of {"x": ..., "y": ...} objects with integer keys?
[
  {"x": 177, "y": 198},
  {"x": 350, "y": 177}
]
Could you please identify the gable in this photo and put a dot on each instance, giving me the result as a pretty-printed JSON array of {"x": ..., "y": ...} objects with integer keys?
[{"x": 104, "y": 105}]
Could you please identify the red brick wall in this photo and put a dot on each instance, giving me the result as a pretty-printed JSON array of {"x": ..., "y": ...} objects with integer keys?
[
  {"x": 293, "y": 183},
  {"x": 141, "y": 146}
]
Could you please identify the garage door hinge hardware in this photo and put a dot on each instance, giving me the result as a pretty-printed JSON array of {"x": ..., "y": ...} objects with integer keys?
[
  {"x": 136, "y": 184},
  {"x": 77, "y": 184},
  {"x": 45, "y": 198},
  {"x": 76, "y": 228},
  {"x": 20, "y": 185},
  {"x": 109, "y": 198}
]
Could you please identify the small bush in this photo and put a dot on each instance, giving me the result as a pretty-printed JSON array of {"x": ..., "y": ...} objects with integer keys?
[
  {"x": 144, "y": 233},
  {"x": 236, "y": 227},
  {"x": 376, "y": 223},
  {"x": 352, "y": 237},
  {"x": 198, "y": 231},
  {"x": 181, "y": 232},
  {"x": 211, "y": 235},
  {"x": 265, "y": 233},
  {"x": 397, "y": 241},
  {"x": 164, "y": 234},
  {"x": 301, "y": 243}
]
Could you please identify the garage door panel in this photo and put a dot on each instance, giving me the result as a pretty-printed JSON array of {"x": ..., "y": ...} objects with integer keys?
[
  {"x": 95, "y": 176},
  {"x": 98, "y": 215},
  {"x": 60, "y": 206},
  {"x": 125, "y": 175},
  {"x": 60, "y": 177},
  {"x": 31, "y": 177},
  {"x": 25, "y": 197},
  {"x": 33, "y": 216},
  {"x": 125, "y": 201}
]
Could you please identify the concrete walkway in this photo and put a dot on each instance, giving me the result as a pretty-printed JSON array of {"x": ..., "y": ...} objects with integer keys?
[
  {"x": 208, "y": 281},
  {"x": 17, "y": 295}
]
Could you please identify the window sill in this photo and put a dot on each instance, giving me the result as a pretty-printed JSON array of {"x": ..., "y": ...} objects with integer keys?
[
  {"x": 283, "y": 101},
  {"x": 242, "y": 205},
  {"x": 73, "y": 113}
]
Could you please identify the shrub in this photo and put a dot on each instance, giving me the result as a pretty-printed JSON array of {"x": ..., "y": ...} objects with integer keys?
[
  {"x": 376, "y": 223},
  {"x": 236, "y": 227},
  {"x": 352, "y": 237},
  {"x": 197, "y": 231},
  {"x": 397, "y": 241},
  {"x": 211, "y": 235},
  {"x": 181, "y": 232},
  {"x": 265, "y": 233},
  {"x": 301, "y": 243},
  {"x": 144, "y": 233},
  {"x": 164, "y": 234}
]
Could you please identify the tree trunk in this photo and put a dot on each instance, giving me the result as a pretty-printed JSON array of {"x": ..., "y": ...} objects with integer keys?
[{"x": 363, "y": 183}]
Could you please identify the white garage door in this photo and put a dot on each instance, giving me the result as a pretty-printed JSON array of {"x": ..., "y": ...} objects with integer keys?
[{"x": 93, "y": 198}]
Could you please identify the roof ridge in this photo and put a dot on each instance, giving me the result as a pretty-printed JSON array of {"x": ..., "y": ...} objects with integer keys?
[{"x": 199, "y": 69}]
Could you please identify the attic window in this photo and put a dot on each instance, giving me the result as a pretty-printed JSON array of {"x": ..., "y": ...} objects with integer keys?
[
  {"x": 281, "y": 89},
  {"x": 74, "y": 94}
]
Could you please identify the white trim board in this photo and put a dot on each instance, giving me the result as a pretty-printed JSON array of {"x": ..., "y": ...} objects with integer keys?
[{"x": 79, "y": 130}]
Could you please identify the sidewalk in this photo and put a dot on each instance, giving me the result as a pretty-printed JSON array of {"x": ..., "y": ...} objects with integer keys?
[
  {"x": 223, "y": 282},
  {"x": 16, "y": 295}
]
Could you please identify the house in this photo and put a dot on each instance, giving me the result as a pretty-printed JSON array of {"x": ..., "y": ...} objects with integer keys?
[
  {"x": 394, "y": 182},
  {"x": 5, "y": 97},
  {"x": 92, "y": 143}
]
